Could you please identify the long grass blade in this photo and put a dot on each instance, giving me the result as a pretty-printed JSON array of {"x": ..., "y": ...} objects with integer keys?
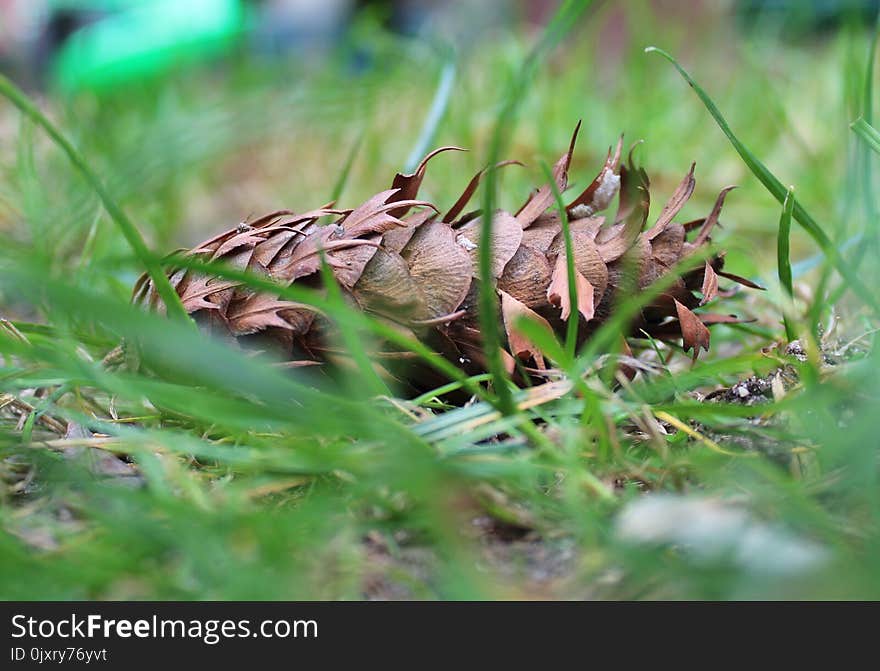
[
  {"x": 867, "y": 132},
  {"x": 342, "y": 180},
  {"x": 777, "y": 190},
  {"x": 783, "y": 258},
  {"x": 561, "y": 23},
  {"x": 435, "y": 116}
]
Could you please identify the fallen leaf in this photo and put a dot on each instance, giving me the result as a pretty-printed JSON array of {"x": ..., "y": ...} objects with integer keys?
[{"x": 694, "y": 334}]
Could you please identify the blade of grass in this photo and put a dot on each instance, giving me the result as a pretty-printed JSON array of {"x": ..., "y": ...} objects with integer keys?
[
  {"x": 559, "y": 25},
  {"x": 445, "y": 389},
  {"x": 864, "y": 166},
  {"x": 169, "y": 296},
  {"x": 342, "y": 180},
  {"x": 777, "y": 190},
  {"x": 867, "y": 132},
  {"x": 783, "y": 260},
  {"x": 868, "y": 118},
  {"x": 863, "y": 128},
  {"x": 435, "y": 116}
]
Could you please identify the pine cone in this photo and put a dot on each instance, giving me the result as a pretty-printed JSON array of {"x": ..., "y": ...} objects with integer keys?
[{"x": 419, "y": 270}]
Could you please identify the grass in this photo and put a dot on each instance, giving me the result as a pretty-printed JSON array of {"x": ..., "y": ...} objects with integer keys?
[
  {"x": 783, "y": 258},
  {"x": 243, "y": 481}
]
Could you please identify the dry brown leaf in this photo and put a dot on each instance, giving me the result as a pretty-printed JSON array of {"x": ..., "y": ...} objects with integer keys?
[
  {"x": 614, "y": 241},
  {"x": 694, "y": 334},
  {"x": 376, "y": 214},
  {"x": 634, "y": 185},
  {"x": 666, "y": 247},
  {"x": 348, "y": 263},
  {"x": 587, "y": 259},
  {"x": 543, "y": 231},
  {"x": 396, "y": 239}
]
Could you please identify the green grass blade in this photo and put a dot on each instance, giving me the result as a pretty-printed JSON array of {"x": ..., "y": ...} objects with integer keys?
[
  {"x": 777, "y": 190},
  {"x": 565, "y": 17},
  {"x": 867, "y": 132},
  {"x": 435, "y": 116},
  {"x": 868, "y": 92},
  {"x": 783, "y": 259},
  {"x": 169, "y": 296},
  {"x": 868, "y": 117},
  {"x": 422, "y": 399},
  {"x": 342, "y": 180},
  {"x": 864, "y": 164}
]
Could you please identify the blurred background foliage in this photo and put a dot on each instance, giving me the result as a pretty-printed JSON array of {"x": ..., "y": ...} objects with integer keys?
[{"x": 202, "y": 474}]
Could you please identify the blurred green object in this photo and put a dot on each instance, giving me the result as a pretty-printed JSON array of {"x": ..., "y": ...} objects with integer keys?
[
  {"x": 805, "y": 16},
  {"x": 136, "y": 39}
]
